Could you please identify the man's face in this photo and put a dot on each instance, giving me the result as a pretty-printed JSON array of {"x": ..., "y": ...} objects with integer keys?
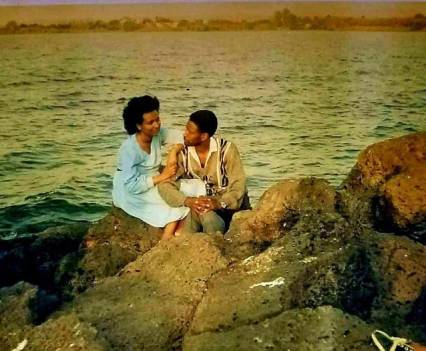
[{"x": 192, "y": 135}]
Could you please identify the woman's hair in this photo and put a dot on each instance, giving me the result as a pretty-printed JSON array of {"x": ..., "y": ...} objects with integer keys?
[
  {"x": 136, "y": 107},
  {"x": 205, "y": 120}
]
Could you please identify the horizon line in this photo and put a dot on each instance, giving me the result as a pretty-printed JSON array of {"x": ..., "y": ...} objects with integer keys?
[{"x": 19, "y": 3}]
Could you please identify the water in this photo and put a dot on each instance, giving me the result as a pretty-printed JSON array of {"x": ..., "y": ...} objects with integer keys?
[{"x": 296, "y": 104}]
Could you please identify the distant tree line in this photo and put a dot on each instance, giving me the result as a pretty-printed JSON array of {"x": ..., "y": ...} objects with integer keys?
[{"x": 281, "y": 20}]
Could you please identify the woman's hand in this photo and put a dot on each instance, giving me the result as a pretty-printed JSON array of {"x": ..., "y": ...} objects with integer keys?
[
  {"x": 171, "y": 167},
  {"x": 168, "y": 172}
]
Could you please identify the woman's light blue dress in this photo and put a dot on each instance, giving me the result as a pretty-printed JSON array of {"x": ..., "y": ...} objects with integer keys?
[{"x": 133, "y": 188}]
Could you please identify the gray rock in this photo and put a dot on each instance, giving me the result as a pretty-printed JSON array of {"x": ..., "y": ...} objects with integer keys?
[{"x": 321, "y": 329}]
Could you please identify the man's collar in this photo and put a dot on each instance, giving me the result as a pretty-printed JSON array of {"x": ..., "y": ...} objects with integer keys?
[
  {"x": 213, "y": 148},
  {"x": 213, "y": 145}
]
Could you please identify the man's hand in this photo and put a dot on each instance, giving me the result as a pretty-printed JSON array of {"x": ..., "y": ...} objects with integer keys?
[
  {"x": 213, "y": 202},
  {"x": 202, "y": 204}
]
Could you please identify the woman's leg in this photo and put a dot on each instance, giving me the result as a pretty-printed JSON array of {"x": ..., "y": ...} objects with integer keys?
[
  {"x": 169, "y": 230},
  {"x": 180, "y": 227}
]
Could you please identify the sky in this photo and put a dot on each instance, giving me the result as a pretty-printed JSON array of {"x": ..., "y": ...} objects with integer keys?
[{"x": 50, "y": 2}]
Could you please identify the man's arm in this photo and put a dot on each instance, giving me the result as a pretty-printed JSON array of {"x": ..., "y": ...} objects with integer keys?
[
  {"x": 234, "y": 194},
  {"x": 169, "y": 189}
]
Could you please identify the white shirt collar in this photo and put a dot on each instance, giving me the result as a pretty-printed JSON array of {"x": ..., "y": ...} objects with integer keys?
[{"x": 213, "y": 148}]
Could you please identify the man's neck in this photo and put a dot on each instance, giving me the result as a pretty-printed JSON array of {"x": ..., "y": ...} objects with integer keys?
[{"x": 203, "y": 148}]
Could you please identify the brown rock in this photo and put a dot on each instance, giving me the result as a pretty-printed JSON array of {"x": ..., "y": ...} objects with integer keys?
[
  {"x": 109, "y": 245},
  {"x": 383, "y": 160},
  {"x": 65, "y": 333},
  {"x": 392, "y": 175},
  {"x": 323, "y": 328},
  {"x": 149, "y": 306},
  {"x": 15, "y": 316},
  {"x": 184, "y": 264},
  {"x": 303, "y": 268},
  {"x": 128, "y": 232},
  {"x": 402, "y": 265},
  {"x": 277, "y": 211},
  {"x": 406, "y": 196}
]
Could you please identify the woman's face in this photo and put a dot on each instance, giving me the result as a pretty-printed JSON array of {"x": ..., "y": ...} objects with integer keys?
[{"x": 151, "y": 123}]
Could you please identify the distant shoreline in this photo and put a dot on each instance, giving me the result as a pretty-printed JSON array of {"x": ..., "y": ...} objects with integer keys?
[
  {"x": 231, "y": 11},
  {"x": 280, "y": 20}
]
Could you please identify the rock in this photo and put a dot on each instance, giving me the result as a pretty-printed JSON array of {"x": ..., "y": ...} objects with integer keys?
[
  {"x": 183, "y": 264},
  {"x": 306, "y": 270},
  {"x": 381, "y": 161},
  {"x": 35, "y": 258},
  {"x": 151, "y": 303},
  {"x": 315, "y": 263},
  {"x": 323, "y": 328},
  {"x": 402, "y": 264},
  {"x": 278, "y": 210},
  {"x": 405, "y": 196},
  {"x": 400, "y": 268},
  {"x": 393, "y": 175},
  {"x": 417, "y": 315},
  {"x": 65, "y": 260},
  {"x": 108, "y": 246},
  {"x": 65, "y": 333},
  {"x": 128, "y": 232},
  {"x": 15, "y": 315}
]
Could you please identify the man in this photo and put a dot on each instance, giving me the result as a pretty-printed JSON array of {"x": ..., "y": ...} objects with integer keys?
[{"x": 217, "y": 163}]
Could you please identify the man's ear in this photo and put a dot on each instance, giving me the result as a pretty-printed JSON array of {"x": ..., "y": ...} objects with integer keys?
[{"x": 204, "y": 136}]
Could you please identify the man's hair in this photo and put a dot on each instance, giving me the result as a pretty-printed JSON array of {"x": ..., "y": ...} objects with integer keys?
[
  {"x": 136, "y": 107},
  {"x": 205, "y": 120}
]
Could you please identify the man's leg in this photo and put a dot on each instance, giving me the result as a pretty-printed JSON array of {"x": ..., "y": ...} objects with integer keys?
[
  {"x": 212, "y": 222},
  {"x": 191, "y": 223}
]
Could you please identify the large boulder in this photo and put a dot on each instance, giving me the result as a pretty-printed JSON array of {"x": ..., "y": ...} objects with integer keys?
[
  {"x": 108, "y": 246},
  {"x": 278, "y": 210},
  {"x": 65, "y": 260},
  {"x": 35, "y": 258},
  {"x": 400, "y": 270},
  {"x": 15, "y": 314},
  {"x": 322, "y": 260},
  {"x": 18, "y": 332},
  {"x": 150, "y": 304},
  {"x": 391, "y": 177},
  {"x": 64, "y": 333},
  {"x": 381, "y": 161},
  {"x": 321, "y": 329},
  {"x": 318, "y": 262}
]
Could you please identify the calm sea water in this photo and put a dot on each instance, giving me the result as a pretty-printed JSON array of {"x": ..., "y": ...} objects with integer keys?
[{"x": 296, "y": 104}]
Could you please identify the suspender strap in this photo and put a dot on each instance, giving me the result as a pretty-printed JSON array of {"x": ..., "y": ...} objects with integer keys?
[{"x": 224, "y": 181}]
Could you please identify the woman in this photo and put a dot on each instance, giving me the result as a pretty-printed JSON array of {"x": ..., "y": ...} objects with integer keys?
[{"x": 138, "y": 170}]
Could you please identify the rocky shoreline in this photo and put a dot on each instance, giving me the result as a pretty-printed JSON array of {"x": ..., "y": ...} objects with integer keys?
[{"x": 312, "y": 267}]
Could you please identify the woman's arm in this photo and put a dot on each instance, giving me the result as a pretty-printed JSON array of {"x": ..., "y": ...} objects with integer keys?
[
  {"x": 133, "y": 180},
  {"x": 171, "y": 165}
]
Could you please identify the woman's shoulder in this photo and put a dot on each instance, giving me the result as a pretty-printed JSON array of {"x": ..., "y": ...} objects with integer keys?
[
  {"x": 127, "y": 143},
  {"x": 128, "y": 146}
]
